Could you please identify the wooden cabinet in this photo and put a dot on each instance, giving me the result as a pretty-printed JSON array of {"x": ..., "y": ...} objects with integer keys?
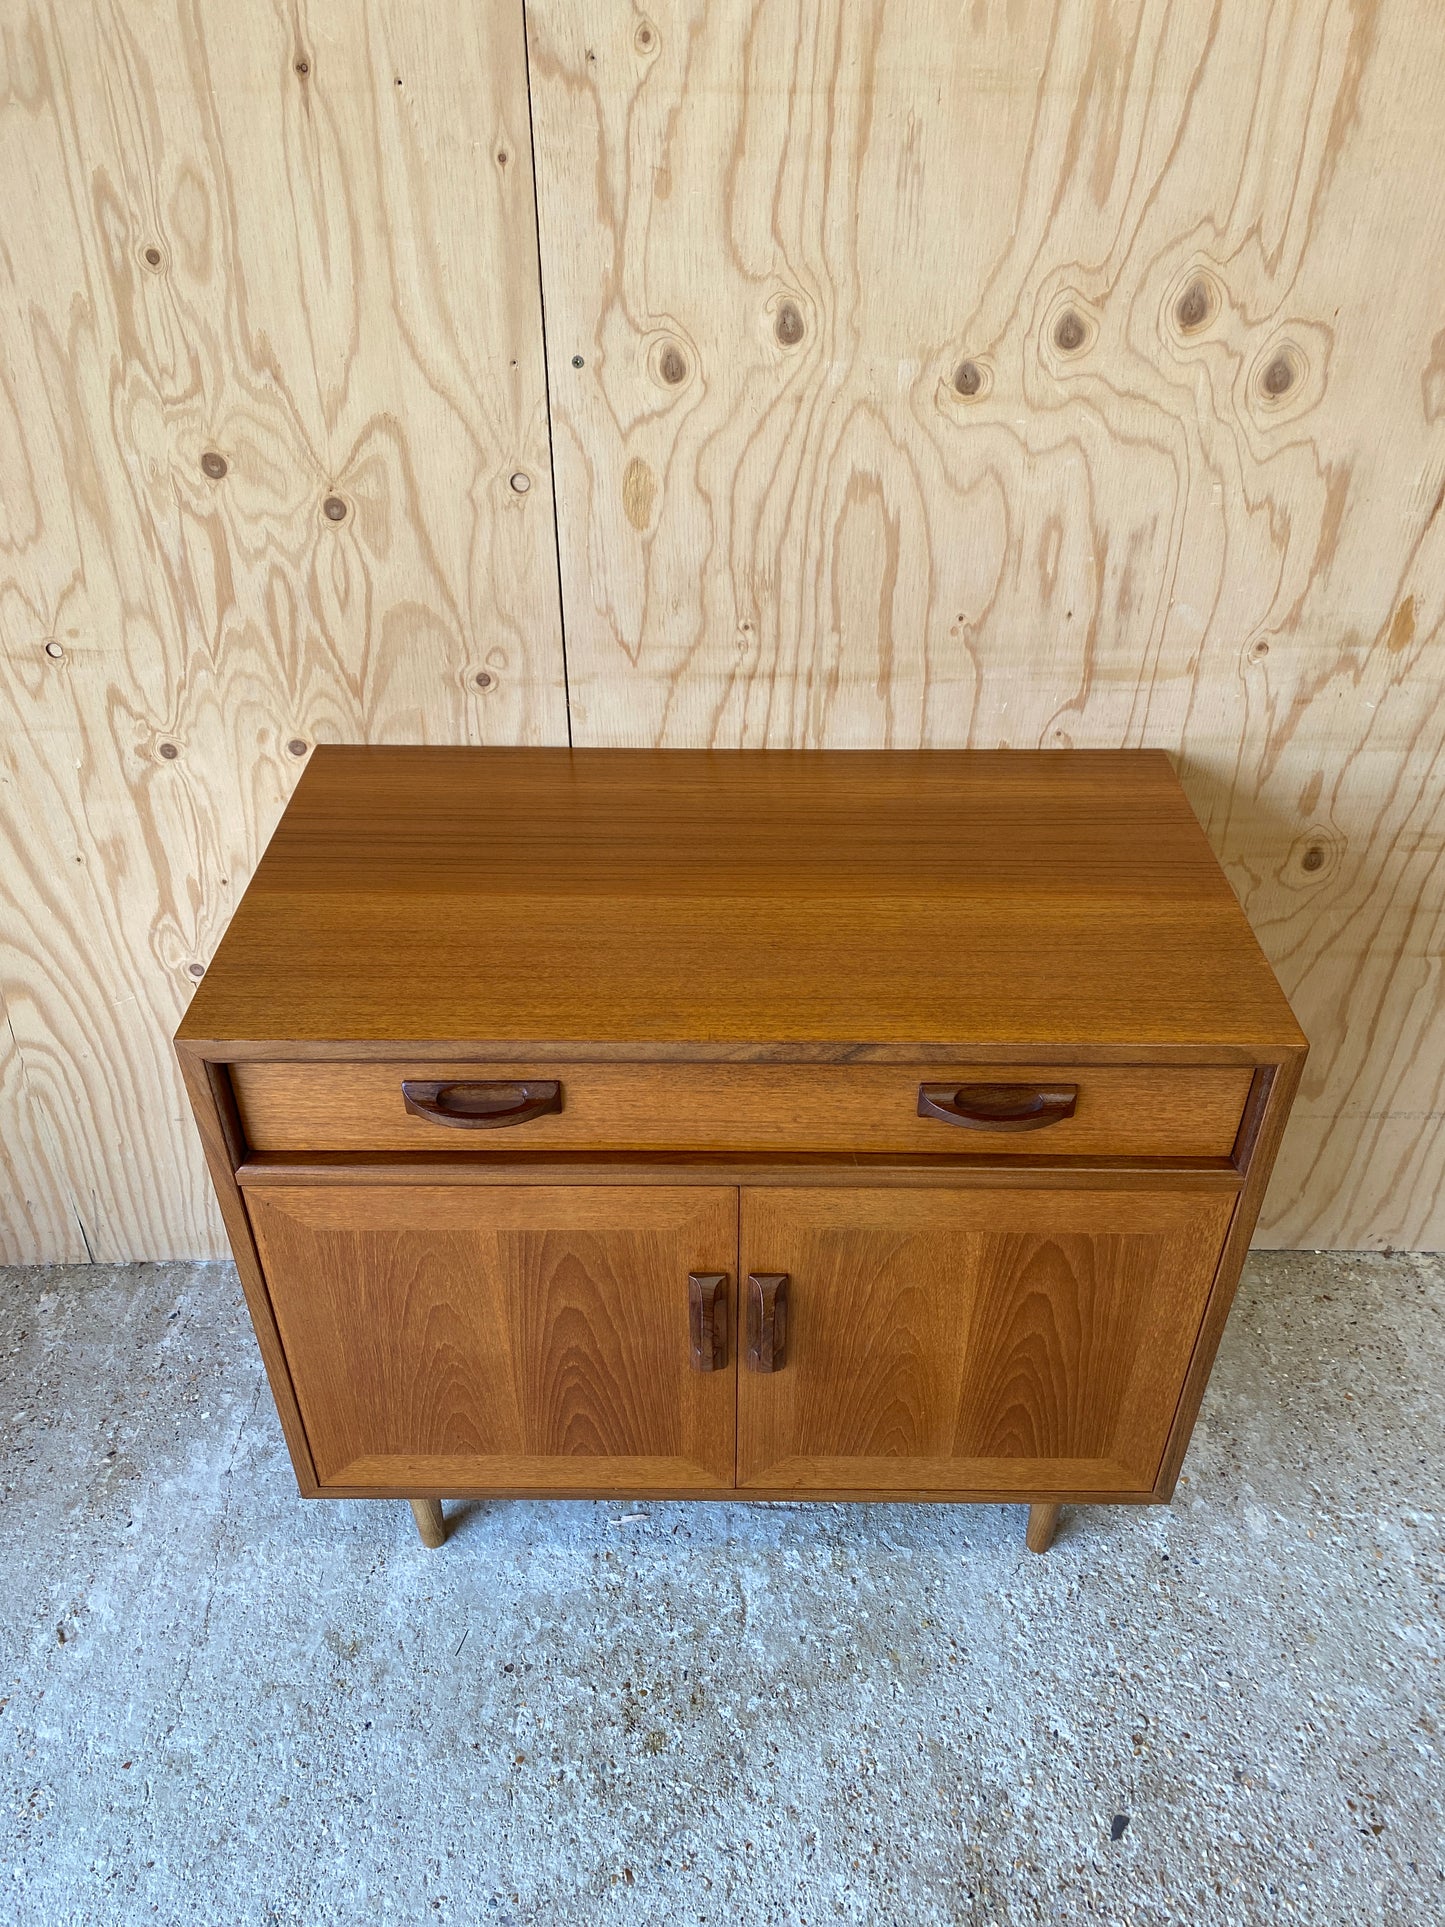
[{"x": 675, "y": 1124}]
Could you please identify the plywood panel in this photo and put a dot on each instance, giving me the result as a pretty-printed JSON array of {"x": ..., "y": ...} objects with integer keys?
[
  {"x": 273, "y": 470},
  {"x": 36, "y": 1224},
  {"x": 1068, "y": 374}
]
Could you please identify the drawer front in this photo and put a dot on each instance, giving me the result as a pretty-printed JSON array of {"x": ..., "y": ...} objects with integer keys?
[{"x": 1090, "y": 1110}]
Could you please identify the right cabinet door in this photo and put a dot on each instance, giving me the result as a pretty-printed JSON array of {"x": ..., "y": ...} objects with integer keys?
[{"x": 970, "y": 1341}]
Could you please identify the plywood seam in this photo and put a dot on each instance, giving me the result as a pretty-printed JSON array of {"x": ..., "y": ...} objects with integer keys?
[{"x": 546, "y": 376}]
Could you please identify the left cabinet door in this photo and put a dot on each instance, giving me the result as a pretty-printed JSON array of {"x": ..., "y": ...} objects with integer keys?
[{"x": 471, "y": 1338}]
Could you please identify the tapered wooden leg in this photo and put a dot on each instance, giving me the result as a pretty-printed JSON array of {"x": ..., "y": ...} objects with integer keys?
[
  {"x": 1043, "y": 1524},
  {"x": 431, "y": 1524}
]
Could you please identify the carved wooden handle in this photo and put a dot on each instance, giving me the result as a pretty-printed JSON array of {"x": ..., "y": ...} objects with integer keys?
[
  {"x": 767, "y": 1320},
  {"x": 481, "y": 1106},
  {"x": 707, "y": 1307},
  {"x": 998, "y": 1107}
]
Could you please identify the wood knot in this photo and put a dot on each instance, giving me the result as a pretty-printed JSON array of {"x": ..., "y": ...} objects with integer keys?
[
  {"x": 672, "y": 364},
  {"x": 788, "y": 325},
  {"x": 296, "y": 746},
  {"x": 334, "y": 509},
  {"x": 153, "y": 257},
  {"x": 1070, "y": 334},
  {"x": 1194, "y": 306},
  {"x": 215, "y": 465},
  {"x": 169, "y": 751},
  {"x": 968, "y": 378},
  {"x": 482, "y": 679},
  {"x": 1280, "y": 372},
  {"x": 1313, "y": 858},
  {"x": 196, "y": 970},
  {"x": 303, "y": 68},
  {"x": 645, "y": 39},
  {"x": 54, "y": 651},
  {"x": 520, "y": 482}
]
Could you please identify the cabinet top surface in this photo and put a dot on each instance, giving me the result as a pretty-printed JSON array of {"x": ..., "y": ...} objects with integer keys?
[{"x": 1051, "y": 898}]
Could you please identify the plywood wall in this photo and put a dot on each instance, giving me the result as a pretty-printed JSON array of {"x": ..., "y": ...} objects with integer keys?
[
  {"x": 1027, "y": 375},
  {"x": 920, "y": 373},
  {"x": 270, "y": 358}
]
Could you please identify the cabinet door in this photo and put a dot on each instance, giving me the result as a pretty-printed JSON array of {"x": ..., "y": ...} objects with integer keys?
[
  {"x": 982, "y": 1342},
  {"x": 453, "y": 1338}
]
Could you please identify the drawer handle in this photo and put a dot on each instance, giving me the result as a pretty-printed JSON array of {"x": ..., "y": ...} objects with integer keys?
[
  {"x": 997, "y": 1107},
  {"x": 707, "y": 1307},
  {"x": 767, "y": 1320},
  {"x": 481, "y": 1106}
]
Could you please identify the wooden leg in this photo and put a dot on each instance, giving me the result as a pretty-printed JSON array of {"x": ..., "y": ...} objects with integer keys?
[
  {"x": 429, "y": 1522},
  {"x": 1043, "y": 1524}
]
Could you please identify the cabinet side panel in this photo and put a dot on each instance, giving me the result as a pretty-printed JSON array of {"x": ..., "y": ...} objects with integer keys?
[
  {"x": 208, "y": 1087},
  {"x": 1265, "y": 1118}
]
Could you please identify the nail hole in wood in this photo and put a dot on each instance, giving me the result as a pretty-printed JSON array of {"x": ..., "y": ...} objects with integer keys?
[
  {"x": 213, "y": 464},
  {"x": 578, "y": 362},
  {"x": 334, "y": 509},
  {"x": 968, "y": 378},
  {"x": 1069, "y": 332},
  {"x": 789, "y": 325}
]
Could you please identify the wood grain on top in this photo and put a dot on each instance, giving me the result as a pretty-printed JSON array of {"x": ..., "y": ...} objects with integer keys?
[{"x": 649, "y": 897}]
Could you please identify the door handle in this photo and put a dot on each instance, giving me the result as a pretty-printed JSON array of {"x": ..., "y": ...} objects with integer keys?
[
  {"x": 998, "y": 1107},
  {"x": 767, "y": 1321},
  {"x": 707, "y": 1312},
  {"x": 482, "y": 1104}
]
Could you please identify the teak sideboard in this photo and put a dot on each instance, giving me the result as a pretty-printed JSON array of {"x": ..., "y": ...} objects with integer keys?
[{"x": 757, "y": 1123}]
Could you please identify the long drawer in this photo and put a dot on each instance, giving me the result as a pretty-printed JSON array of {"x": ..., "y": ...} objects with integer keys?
[{"x": 1157, "y": 1111}]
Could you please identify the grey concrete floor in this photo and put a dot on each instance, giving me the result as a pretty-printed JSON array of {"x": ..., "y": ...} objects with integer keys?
[{"x": 219, "y": 1703}]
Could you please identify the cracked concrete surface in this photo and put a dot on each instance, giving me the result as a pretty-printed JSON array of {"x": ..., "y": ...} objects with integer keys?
[{"x": 221, "y": 1703}]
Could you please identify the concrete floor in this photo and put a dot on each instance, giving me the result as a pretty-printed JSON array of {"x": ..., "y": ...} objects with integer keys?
[{"x": 223, "y": 1704}]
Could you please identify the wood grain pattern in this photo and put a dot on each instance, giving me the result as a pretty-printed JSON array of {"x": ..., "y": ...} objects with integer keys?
[
  {"x": 523, "y": 1338},
  {"x": 1138, "y": 1111},
  {"x": 1068, "y": 374},
  {"x": 35, "y": 1225},
  {"x": 270, "y": 359},
  {"x": 1019, "y": 1341},
  {"x": 1060, "y": 900}
]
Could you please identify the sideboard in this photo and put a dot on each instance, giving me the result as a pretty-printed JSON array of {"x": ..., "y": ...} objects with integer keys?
[{"x": 750, "y": 1124}]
